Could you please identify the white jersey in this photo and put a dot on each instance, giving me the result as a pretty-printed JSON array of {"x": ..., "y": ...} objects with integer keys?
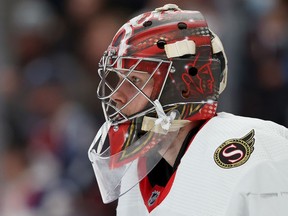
[{"x": 233, "y": 166}]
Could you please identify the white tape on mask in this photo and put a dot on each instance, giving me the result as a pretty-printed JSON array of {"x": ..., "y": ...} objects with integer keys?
[{"x": 180, "y": 48}]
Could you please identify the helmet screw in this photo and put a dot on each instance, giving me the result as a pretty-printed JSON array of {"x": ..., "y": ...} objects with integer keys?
[
  {"x": 172, "y": 69},
  {"x": 161, "y": 44},
  {"x": 116, "y": 128}
]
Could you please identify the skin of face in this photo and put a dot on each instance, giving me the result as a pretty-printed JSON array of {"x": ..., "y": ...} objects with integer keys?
[{"x": 127, "y": 91}]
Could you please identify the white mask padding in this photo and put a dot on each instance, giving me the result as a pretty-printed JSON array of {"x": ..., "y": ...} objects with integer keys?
[
  {"x": 115, "y": 179},
  {"x": 217, "y": 47},
  {"x": 180, "y": 48},
  {"x": 163, "y": 123},
  {"x": 149, "y": 125},
  {"x": 216, "y": 43},
  {"x": 167, "y": 7}
]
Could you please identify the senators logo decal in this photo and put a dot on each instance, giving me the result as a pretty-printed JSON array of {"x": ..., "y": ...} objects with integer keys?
[{"x": 235, "y": 152}]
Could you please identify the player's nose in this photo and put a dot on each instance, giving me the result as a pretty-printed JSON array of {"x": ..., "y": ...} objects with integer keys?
[{"x": 119, "y": 97}]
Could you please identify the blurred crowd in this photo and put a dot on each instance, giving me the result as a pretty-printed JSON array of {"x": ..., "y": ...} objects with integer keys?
[{"x": 49, "y": 112}]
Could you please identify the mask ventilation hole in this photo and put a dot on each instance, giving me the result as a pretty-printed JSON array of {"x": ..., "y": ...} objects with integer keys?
[
  {"x": 192, "y": 71},
  {"x": 182, "y": 25},
  {"x": 147, "y": 23},
  {"x": 161, "y": 44}
]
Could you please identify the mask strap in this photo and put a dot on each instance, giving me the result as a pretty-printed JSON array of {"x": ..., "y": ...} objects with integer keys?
[{"x": 163, "y": 119}]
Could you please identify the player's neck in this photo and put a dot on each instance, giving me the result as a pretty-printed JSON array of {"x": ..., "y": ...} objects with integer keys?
[{"x": 171, "y": 154}]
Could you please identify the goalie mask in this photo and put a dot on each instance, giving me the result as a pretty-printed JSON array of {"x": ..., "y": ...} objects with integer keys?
[{"x": 163, "y": 69}]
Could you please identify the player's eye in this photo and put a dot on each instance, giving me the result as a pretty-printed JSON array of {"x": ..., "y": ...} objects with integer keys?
[{"x": 135, "y": 79}]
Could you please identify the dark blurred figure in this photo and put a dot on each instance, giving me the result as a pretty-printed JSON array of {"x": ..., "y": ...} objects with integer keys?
[
  {"x": 76, "y": 14},
  {"x": 33, "y": 30},
  {"x": 265, "y": 79},
  {"x": 96, "y": 37},
  {"x": 43, "y": 114}
]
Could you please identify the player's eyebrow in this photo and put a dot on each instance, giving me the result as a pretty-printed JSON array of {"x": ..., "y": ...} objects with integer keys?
[{"x": 126, "y": 71}]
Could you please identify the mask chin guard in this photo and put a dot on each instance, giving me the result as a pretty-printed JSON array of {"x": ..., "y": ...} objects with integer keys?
[{"x": 116, "y": 180}]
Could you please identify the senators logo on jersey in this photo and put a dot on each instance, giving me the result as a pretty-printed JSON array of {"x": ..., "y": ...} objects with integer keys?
[{"x": 235, "y": 152}]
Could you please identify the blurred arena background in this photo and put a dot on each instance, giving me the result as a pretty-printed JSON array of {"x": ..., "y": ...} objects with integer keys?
[{"x": 49, "y": 113}]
